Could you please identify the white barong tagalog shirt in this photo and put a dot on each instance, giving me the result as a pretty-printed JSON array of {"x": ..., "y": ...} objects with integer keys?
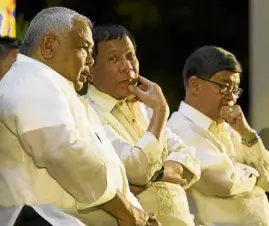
[{"x": 52, "y": 152}]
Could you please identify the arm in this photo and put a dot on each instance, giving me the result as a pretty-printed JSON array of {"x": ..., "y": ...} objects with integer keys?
[
  {"x": 46, "y": 129},
  {"x": 151, "y": 95},
  {"x": 255, "y": 156},
  {"x": 126, "y": 214},
  {"x": 146, "y": 154},
  {"x": 122, "y": 210},
  {"x": 183, "y": 155},
  {"x": 220, "y": 175},
  {"x": 61, "y": 151},
  {"x": 254, "y": 153}
]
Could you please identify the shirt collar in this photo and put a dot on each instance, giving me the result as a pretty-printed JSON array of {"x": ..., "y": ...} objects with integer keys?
[
  {"x": 23, "y": 58},
  {"x": 194, "y": 115},
  {"x": 105, "y": 101}
]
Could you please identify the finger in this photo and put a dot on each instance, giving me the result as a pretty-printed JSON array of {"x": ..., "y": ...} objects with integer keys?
[
  {"x": 145, "y": 82},
  {"x": 132, "y": 98},
  {"x": 234, "y": 115},
  {"x": 235, "y": 108},
  {"x": 136, "y": 90},
  {"x": 143, "y": 87}
]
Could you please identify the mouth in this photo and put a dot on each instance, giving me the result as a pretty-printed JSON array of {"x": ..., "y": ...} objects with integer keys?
[{"x": 134, "y": 82}]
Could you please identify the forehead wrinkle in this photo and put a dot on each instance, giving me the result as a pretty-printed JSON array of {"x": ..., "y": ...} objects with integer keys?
[{"x": 121, "y": 45}]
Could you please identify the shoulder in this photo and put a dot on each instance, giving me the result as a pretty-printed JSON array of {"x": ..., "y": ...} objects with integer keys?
[{"x": 178, "y": 120}]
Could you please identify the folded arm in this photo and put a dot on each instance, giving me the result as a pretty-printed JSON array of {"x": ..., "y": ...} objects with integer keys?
[
  {"x": 141, "y": 160},
  {"x": 255, "y": 156},
  {"x": 184, "y": 155}
]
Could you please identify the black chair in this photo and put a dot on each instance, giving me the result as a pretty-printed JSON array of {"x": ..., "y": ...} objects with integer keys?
[{"x": 29, "y": 217}]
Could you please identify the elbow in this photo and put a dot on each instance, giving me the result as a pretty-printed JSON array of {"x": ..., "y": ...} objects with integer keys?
[
  {"x": 225, "y": 191},
  {"x": 139, "y": 177},
  {"x": 54, "y": 158},
  {"x": 229, "y": 189},
  {"x": 214, "y": 188}
]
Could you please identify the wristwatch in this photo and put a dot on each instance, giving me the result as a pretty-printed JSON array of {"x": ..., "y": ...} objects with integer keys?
[
  {"x": 160, "y": 174},
  {"x": 250, "y": 142}
]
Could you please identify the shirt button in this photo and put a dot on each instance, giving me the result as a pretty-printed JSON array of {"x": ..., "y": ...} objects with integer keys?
[
  {"x": 120, "y": 103},
  {"x": 133, "y": 120}
]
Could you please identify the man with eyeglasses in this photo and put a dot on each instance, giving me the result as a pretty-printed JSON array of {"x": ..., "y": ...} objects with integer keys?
[{"x": 234, "y": 162}]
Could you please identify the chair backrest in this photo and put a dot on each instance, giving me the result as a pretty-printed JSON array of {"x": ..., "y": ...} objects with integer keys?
[{"x": 264, "y": 135}]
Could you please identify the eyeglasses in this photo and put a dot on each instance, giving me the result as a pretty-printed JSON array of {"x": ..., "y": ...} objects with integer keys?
[{"x": 225, "y": 89}]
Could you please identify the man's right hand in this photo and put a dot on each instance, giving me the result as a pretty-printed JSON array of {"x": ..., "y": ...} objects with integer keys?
[
  {"x": 136, "y": 217},
  {"x": 149, "y": 93},
  {"x": 139, "y": 218}
]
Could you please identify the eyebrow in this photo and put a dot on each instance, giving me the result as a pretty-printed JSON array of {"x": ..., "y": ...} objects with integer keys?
[
  {"x": 90, "y": 43},
  {"x": 229, "y": 81},
  {"x": 115, "y": 50}
]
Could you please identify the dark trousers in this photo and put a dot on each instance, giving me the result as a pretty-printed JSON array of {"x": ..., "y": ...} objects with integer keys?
[{"x": 29, "y": 217}]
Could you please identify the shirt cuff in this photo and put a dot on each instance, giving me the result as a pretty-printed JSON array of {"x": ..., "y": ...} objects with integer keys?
[
  {"x": 254, "y": 153},
  {"x": 150, "y": 147},
  {"x": 186, "y": 157}
]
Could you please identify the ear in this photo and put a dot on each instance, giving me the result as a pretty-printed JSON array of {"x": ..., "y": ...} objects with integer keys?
[
  {"x": 193, "y": 85},
  {"x": 48, "y": 45}
]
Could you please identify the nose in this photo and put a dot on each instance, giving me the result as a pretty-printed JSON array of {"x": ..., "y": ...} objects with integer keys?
[
  {"x": 89, "y": 60},
  {"x": 126, "y": 65},
  {"x": 231, "y": 97}
]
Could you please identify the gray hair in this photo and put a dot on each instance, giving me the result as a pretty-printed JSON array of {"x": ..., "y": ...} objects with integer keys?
[{"x": 55, "y": 19}]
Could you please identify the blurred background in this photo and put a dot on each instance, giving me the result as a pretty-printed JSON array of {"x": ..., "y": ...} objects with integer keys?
[{"x": 167, "y": 31}]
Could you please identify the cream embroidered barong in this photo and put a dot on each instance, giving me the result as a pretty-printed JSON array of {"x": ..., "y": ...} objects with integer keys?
[
  {"x": 234, "y": 177},
  {"x": 142, "y": 155}
]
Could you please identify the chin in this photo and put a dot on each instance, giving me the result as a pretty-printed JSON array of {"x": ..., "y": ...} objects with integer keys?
[{"x": 125, "y": 95}]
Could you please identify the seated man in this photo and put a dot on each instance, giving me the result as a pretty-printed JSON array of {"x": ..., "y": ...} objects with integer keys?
[
  {"x": 9, "y": 48},
  {"x": 52, "y": 152},
  {"x": 148, "y": 150},
  {"x": 234, "y": 162}
]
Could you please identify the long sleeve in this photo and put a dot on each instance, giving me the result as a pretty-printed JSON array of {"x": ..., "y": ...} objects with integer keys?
[
  {"x": 257, "y": 157},
  {"x": 48, "y": 133},
  {"x": 221, "y": 176},
  {"x": 141, "y": 160},
  {"x": 179, "y": 152}
]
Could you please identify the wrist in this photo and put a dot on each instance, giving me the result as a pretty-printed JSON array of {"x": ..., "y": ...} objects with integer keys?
[
  {"x": 161, "y": 109},
  {"x": 247, "y": 134},
  {"x": 251, "y": 139}
]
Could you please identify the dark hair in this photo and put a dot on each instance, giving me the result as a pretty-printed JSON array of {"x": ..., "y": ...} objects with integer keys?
[
  {"x": 109, "y": 32},
  {"x": 208, "y": 60},
  {"x": 6, "y": 44}
]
